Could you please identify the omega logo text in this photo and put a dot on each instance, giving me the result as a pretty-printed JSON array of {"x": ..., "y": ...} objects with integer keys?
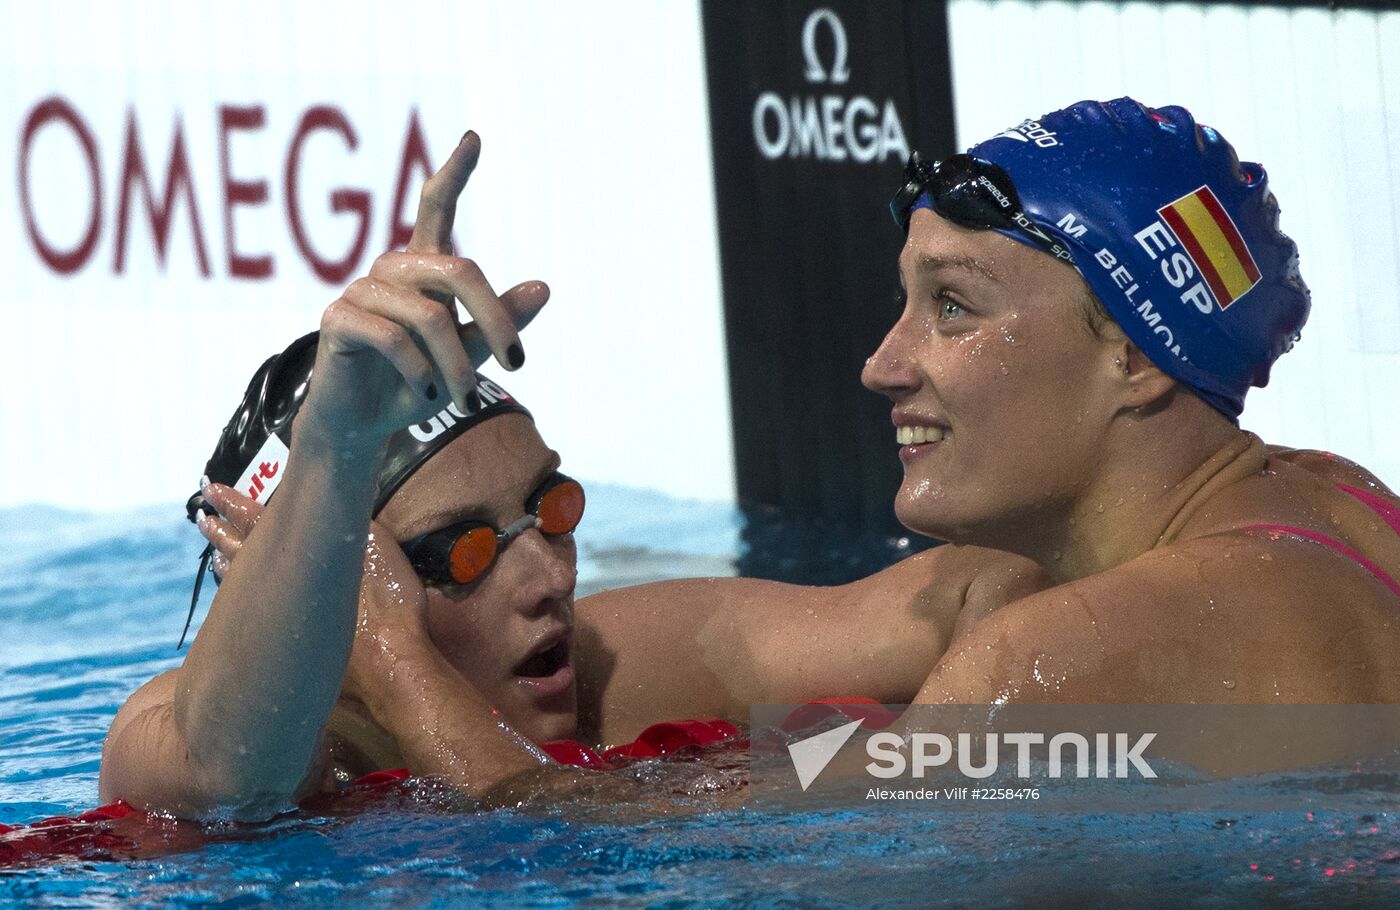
[
  {"x": 831, "y": 127},
  {"x": 168, "y": 193}
]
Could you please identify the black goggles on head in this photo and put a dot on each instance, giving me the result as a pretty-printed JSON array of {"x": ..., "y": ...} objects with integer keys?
[
  {"x": 972, "y": 192},
  {"x": 461, "y": 553}
]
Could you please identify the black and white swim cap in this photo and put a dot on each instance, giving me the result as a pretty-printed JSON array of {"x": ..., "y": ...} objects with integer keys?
[{"x": 251, "y": 455}]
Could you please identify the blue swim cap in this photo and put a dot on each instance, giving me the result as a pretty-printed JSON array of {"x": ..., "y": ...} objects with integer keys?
[{"x": 1175, "y": 235}]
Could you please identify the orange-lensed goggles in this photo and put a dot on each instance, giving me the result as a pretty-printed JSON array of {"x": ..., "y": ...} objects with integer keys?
[{"x": 461, "y": 553}]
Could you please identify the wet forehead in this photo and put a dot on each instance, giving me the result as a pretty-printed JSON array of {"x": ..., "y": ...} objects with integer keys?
[
  {"x": 935, "y": 241},
  {"x": 485, "y": 473},
  {"x": 938, "y": 247}
]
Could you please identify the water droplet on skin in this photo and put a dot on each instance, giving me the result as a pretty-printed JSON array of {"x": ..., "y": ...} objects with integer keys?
[
  {"x": 1004, "y": 370},
  {"x": 1228, "y": 683}
]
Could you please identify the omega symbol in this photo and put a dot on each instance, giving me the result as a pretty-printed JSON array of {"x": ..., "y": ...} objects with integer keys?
[{"x": 839, "y": 73}]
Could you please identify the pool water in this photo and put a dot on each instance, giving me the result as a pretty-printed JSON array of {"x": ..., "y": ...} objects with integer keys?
[{"x": 91, "y": 607}]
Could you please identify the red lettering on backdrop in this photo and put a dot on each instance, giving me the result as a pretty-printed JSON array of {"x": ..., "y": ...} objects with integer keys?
[
  {"x": 179, "y": 182},
  {"x": 415, "y": 152},
  {"x": 63, "y": 262},
  {"x": 177, "y": 178},
  {"x": 325, "y": 117},
  {"x": 240, "y": 192}
]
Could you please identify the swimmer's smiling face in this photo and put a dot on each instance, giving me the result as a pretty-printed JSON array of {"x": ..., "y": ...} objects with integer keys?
[
  {"x": 992, "y": 349},
  {"x": 510, "y": 631}
]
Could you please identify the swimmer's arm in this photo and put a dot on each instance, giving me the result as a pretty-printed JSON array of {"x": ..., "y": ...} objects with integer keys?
[
  {"x": 446, "y": 730},
  {"x": 1132, "y": 635},
  {"x": 241, "y": 731},
  {"x": 237, "y": 729},
  {"x": 1151, "y": 632},
  {"x": 713, "y": 647},
  {"x": 145, "y": 761}
]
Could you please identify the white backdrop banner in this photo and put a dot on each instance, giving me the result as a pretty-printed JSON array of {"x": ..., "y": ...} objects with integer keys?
[{"x": 192, "y": 183}]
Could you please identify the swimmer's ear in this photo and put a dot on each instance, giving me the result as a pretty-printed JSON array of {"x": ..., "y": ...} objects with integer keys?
[{"x": 1145, "y": 387}]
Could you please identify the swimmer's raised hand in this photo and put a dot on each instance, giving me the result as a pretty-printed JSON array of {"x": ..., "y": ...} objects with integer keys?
[
  {"x": 392, "y": 348},
  {"x": 432, "y": 233}
]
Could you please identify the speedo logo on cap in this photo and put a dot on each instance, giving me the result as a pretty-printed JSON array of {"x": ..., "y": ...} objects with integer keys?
[
  {"x": 1209, "y": 238},
  {"x": 1030, "y": 131}
]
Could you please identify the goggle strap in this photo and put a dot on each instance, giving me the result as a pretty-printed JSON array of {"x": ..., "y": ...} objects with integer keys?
[
  {"x": 198, "y": 585},
  {"x": 918, "y": 173}
]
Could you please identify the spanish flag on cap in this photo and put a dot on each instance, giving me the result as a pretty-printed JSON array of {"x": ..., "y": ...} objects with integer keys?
[{"x": 1213, "y": 243}]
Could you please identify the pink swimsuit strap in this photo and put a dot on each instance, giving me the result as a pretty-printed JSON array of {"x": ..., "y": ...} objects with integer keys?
[{"x": 1388, "y": 513}]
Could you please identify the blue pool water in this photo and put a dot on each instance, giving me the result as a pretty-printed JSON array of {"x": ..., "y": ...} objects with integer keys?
[{"x": 91, "y": 606}]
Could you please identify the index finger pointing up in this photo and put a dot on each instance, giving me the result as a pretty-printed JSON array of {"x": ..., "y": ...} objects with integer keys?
[{"x": 437, "y": 206}]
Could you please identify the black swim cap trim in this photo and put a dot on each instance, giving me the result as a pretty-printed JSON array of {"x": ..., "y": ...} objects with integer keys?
[
  {"x": 270, "y": 405},
  {"x": 409, "y": 448},
  {"x": 256, "y": 442}
]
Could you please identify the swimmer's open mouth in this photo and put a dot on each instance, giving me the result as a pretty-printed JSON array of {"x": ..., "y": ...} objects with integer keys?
[{"x": 546, "y": 662}]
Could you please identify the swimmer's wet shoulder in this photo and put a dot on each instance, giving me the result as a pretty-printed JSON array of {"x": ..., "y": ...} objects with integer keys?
[{"x": 1216, "y": 613}]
